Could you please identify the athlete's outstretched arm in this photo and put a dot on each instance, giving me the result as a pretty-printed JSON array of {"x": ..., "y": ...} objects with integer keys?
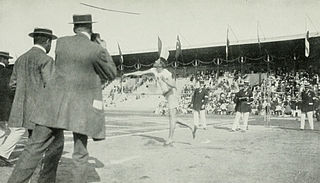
[{"x": 139, "y": 73}]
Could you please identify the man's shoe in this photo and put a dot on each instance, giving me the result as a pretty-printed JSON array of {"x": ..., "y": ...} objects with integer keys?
[{"x": 4, "y": 162}]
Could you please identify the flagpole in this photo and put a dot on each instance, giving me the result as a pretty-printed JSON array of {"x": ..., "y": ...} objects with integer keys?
[
  {"x": 121, "y": 68},
  {"x": 121, "y": 80},
  {"x": 227, "y": 44},
  {"x": 258, "y": 37},
  {"x": 175, "y": 71}
]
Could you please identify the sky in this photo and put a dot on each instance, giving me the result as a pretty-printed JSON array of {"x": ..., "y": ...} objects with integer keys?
[{"x": 197, "y": 22}]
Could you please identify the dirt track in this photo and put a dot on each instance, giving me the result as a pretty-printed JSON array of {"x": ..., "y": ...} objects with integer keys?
[{"x": 279, "y": 153}]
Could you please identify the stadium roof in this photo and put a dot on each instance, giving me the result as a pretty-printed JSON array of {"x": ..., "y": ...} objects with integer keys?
[{"x": 278, "y": 48}]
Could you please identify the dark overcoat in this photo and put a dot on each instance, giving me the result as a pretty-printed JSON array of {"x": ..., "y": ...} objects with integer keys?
[
  {"x": 30, "y": 74},
  {"x": 199, "y": 98},
  {"x": 243, "y": 100},
  {"x": 6, "y": 94},
  {"x": 307, "y": 104},
  {"x": 72, "y": 100}
]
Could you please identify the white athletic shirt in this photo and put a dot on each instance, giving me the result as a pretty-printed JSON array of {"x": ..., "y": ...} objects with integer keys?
[
  {"x": 170, "y": 96},
  {"x": 166, "y": 75}
]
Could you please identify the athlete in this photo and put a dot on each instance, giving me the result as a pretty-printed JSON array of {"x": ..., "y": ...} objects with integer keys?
[{"x": 168, "y": 88}]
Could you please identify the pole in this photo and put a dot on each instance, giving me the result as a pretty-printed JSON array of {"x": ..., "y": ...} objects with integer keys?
[
  {"x": 121, "y": 80},
  {"x": 218, "y": 70},
  {"x": 175, "y": 70},
  {"x": 241, "y": 67},
  {"x": 268, "y": 91}
]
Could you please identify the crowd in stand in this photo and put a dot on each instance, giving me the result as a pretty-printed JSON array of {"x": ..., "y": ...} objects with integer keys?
[{"x": 280, "y": 91}]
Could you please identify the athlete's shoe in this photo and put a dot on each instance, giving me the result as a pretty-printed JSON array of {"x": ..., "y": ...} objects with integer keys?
[{"x": 194, "y": 131}]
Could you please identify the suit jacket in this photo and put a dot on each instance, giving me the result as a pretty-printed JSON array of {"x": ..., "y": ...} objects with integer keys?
[
  {"x": 72, "y": 99},
  {"x": 199, "y": 98},
  {"x": 30, "y": 74},
  {"x": 243, "y": 100},
  {"x": 307, "y": 101},
  {"x": 6, "y": 94}
]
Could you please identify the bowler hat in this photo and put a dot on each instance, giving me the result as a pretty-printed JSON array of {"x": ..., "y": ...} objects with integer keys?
[
  {"x": 82, "y": 19},
  {"x": 5, "y": 55},
  {"x": 42, "y": 31}
]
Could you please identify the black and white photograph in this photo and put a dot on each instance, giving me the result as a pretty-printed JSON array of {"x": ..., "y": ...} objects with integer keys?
[{"x": 160, "y": 91}]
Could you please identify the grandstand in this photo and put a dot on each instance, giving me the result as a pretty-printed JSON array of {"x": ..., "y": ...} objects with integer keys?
[{"x": 282, "y": 57}]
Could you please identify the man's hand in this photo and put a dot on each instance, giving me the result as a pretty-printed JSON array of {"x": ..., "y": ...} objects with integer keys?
[{"x": 101, "y": 42}]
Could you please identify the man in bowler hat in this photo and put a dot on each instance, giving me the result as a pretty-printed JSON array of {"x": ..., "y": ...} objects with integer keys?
[
  {"x": 73, "y": 98},
  {"x": 7, "y": 142}
]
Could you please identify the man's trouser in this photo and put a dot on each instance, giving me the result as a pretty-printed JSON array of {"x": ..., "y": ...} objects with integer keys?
[
  {"x": 310, "y": 119},
  {"x": 236, "y": 123},
  {"x": 80, "y": 158},
  {"x": 8, "y": 143},
  {"x": 43, "y": 140},
  {"x": 199, "y": 118}
]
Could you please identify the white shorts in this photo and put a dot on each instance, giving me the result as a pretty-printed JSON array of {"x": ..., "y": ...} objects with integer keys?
[{"x": 172, "y": 100}]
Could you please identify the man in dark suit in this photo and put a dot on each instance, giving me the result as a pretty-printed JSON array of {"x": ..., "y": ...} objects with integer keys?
[
  {"x": 199, "y": 101},
  {"x": 307, "y": 106},
  {"x": 71, "y": 100},
  {"x": 243, "y": 101},
  {"x": 31, "y": 72},
  {"x": 6, "y": 96}
]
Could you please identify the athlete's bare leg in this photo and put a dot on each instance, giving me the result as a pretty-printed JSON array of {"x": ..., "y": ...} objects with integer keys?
[{"x": 173, "y": 120}]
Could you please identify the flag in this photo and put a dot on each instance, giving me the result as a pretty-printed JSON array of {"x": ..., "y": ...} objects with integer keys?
[
  {"x": 164, "y": 53},
  {"x": 227, "y": 44},
  {"x": 120, "y": 54},
  {"x": 258, "y": 37},
  {"x": 307, "y": 45},
  {"x": 159, "y": 46},
  {"x": 178, "y": 48}
]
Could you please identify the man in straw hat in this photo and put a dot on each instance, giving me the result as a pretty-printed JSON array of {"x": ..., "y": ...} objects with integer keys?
[
  {"x": 168, "y": 88},
  {"x": 73, "y": 102},
  {"x": 31, "y": 72},
  {"x": 7, "y": 143}
]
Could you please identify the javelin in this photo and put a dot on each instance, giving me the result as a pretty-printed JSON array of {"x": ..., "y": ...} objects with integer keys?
[{"x": 118, "y": 11}]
